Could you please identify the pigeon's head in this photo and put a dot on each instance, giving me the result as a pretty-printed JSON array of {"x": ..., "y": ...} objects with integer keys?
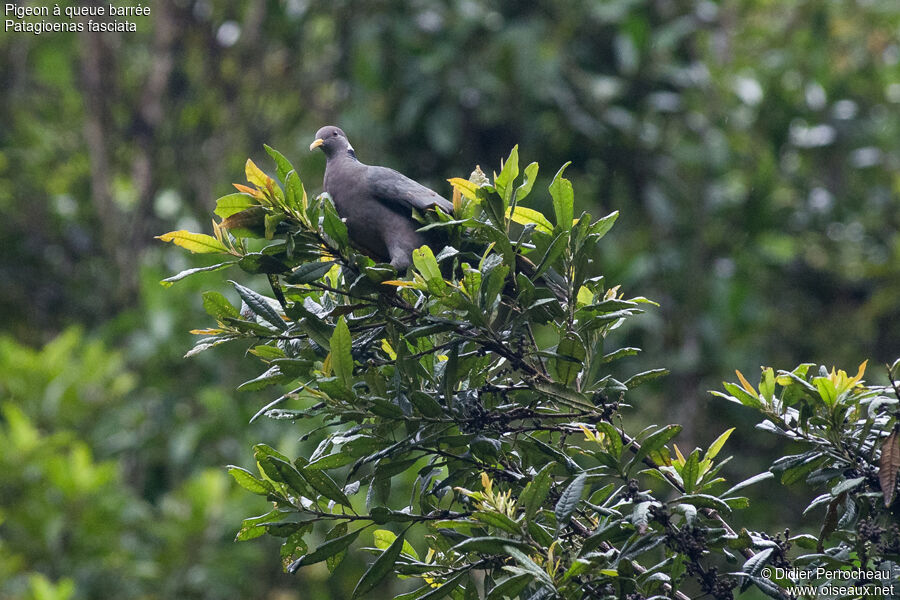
[{"x": 332, "y": 140}]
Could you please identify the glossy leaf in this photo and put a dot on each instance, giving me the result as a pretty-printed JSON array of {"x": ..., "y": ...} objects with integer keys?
[{"x": 199, "y": 243}]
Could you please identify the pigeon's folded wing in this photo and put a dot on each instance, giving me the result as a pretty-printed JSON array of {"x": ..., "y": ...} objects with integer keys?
[{"x": 394, "y": 189}]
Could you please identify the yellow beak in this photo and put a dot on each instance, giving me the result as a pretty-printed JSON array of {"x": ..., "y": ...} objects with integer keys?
[{"x": 316, "y": 144}]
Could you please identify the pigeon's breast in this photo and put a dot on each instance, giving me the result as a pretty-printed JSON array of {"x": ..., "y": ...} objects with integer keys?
[{"x": 370, "y": 224}]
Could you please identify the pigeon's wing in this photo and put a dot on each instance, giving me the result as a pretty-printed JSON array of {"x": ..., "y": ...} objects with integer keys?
[{"x": 395, "y": 189}]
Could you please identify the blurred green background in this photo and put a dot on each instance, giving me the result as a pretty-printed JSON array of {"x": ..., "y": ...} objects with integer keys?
[{"x": 752, "y": 147}]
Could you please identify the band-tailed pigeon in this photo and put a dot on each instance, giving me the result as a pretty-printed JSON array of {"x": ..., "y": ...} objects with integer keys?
[{"x": 375, "y": 202}]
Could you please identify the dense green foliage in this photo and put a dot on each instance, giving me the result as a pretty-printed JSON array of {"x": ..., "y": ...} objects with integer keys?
[
  {"x": 69, "y": 512},
  {"x": 488, "y": 376},
  {"x": 751, "y": 147},
  {"x": 848, "y": 433}
]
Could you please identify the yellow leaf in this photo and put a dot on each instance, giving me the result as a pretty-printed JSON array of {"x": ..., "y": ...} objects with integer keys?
[
  {"x": 861, "y": 372},
  {"x": 465, "y": 187},
  {"x": 746, "y": 383},
  {"x": 584, "y": 297},
  {"x": 716, "y": 446},
  {"x": 256, "y": 176},
  {"x": 588, "y": 433},
  {"x": 207, "y": 331},
  {"x": 401, "y": 283},
  {"x": 680, "y": 460},
  {"x": 386, "y": 346},
  {"x": 199, "y": 243},
  {"x": 525, "y": 216}
]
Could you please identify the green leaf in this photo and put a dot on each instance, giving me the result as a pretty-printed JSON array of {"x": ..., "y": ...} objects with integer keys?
[
  {"x": 311, "y": 271},
  {"x": 271, "y": 223},
  {"x": 257, "y": 262},
  {"x": 613, "y": 439},
  {"x": 425, "y": 404},
  {"x": 640, "y": 516},
  {"x": 272, "y": 376},
  {"x": 846, "y": 485},
  {"x": 741, "y": 395},
  {"x": 445, "y": 588},
  {"x": 249, "y": 481},
  {"x": 826, "y": 390},
  {"x": 287, "y": 474},
  {"x": 799, "y": 472},
  {"x": 266, "y": 352},
  {"x": 296, "y": 194},
  {"x": 563, "y": 199},
  {"x": 537, "y": 490},
  {"x": 168, "y": 281},
  {"x": 636, "y": 380},
  {"x": 529, "y": 565},
  {"x": 755, "y": 563},
  {"x": 569, "y": 360},
  {"x": 254, "y": 527},
  {"x": 716, "y": 446},
  {"x": 498, "y": 520},
  {"x": 426, "y": 265},
  {"x": 767, "y": 384},
  {"x": 325, "y": 485},
  {"x": 198, "y": 243},
  {"x": 331, "y": 461},
  {"x": 705, "y": 501},
  {"x": 341, "y": 357},
  {"x": 600, "y": 227},
  {"x": 503, "y": 182},
  {"x": 690, "y": 471},
  {"x": 382, "y": 515},
  {"x": 329, "y": 548},
  {"x": 385, "y": 537},
  {"x": 334, "y": 227},
  {"x": 489, "y": 545},
  {"x": 568, "y": 501},
  {"x": 565, "y": 395},
  {"x": 218, "y": 307},
  {"x": 526, "y": 216},
  {"x": 260, "y": 306},
  {"x": 335, "y": 532},
  {"x": 493, "y": 205},
  {"x": 554, "y": 251},
  {"x": 510, "y": 587},
  {"x": 748, "y": 482},
  {"x": 263, "y": 451},
  {"x": 282, "y": 165},
  {"x": 233, "y": 204},
  {"x": 523, "y": 190},
  {"x": 294, "y": 547},
  {"x": 379, "y": 569}
]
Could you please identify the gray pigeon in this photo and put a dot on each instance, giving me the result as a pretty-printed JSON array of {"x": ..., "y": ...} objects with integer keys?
[{"x": 375, "y": 202}]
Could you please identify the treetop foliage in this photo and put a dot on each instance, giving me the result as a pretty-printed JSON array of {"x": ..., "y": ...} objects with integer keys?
[{"x": 488, "y": 371}]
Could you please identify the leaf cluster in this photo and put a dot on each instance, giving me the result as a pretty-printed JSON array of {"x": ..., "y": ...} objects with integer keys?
[
  {"x": 484, "y": 374},
  {"x": 849, "y": 437}
]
